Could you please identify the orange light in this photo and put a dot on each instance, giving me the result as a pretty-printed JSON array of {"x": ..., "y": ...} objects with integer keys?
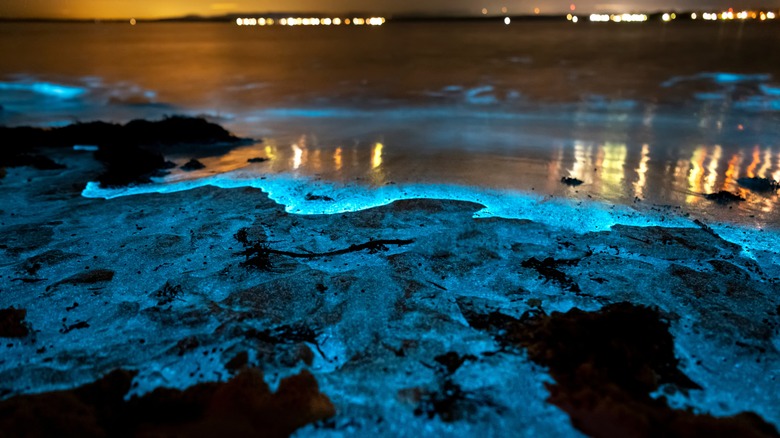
[
  {"x": 537, "y": 11},
  {"x": 572, "y": 7}
]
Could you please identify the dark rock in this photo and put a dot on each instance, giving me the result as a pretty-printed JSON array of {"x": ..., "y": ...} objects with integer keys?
[
  {"x": 242, "y": 406},
  {"x": 757, "y": 184},
  {"x": 12, "y": 323},
  {"x": 258, "y": 160},
  {"x": 606, "y": 364},
  {"x": 723, "y": 197},
  {"x": 238, "y": 362},
  {"x": 193, "y": 164},
  {"x": 89, "y": 277},
  {"x": 131, "y": 153},
  {"x": 571, "y": 182}
]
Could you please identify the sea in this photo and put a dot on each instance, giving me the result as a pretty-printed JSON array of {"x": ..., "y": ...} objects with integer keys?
[{"x": 648, "y": 116}]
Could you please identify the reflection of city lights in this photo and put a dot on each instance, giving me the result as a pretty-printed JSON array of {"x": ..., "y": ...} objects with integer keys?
[
  {"x": 297, "y": 156},
  {"x": 337, "y": 159},
  {"x": 376, "y": 156}
]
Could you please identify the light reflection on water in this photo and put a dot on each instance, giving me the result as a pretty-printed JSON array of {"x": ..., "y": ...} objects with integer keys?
[{"x": 610, "y": 170}]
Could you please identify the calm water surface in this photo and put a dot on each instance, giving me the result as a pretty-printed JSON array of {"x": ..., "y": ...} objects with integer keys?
[{"x": 659, "y": 113}]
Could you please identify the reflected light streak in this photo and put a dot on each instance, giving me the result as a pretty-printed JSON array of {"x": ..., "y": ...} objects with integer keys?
[
  {"x": 297, "y": 156},
  {"x": 732, "y": 172},
  {"x": 695, "y": 173},
  {"x": 712, "y": 170},
  {"x": 613, "y": 164},
  {"x": 337, "y": 159},
  {"x": 270, "y": 152},
  {"x": 376, "y": 155},
  {"x": 766, "y": 164},
  {"x": 751, "y": 170},
  {"x": 583, "y": 160},
  {"x": 639, "y": 185}
]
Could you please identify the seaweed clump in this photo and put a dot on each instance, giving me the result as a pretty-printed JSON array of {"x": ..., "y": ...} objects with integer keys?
[
  {"x": 606, "y": 364},
  {"x": 571, "y": 182},
  {"x": 12, "y": 323},
  {"x": 724, "y": 197},
  {"x": 242, "y": 406},
  {"x": 757, "y": 184}
]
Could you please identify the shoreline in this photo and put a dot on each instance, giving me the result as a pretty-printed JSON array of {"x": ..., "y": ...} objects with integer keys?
[{"x": 157, "y": 283}]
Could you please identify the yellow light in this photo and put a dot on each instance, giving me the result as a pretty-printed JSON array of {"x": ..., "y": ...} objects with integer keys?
[
  {"x": 306, "y": 21},
  {"x": 484, "y": 11},
  {"x": 537, "y": 11},
  {"x": 270, "y": 21},
  {"x": 326, "y": 21},
  {"x": 376, "y": 158},
  {"x": 568, "y": 17},
  {"x": 283, "y": 22},
  {"x": 693, "y": 16},
  {"x": 261, "y": 21},
  {"x": 132, "y": 22},
  {"x": 337, "y": 21},
  {"x": 503, "y": 10},
  {"x": 763, "y": 16},
  {"x": 674, "y": 16}
]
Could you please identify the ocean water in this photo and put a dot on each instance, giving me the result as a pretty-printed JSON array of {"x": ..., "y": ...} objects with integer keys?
[{"x": 646, "y": 115}]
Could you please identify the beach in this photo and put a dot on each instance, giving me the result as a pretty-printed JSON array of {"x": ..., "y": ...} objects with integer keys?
[{"x": 408, "y": 263}]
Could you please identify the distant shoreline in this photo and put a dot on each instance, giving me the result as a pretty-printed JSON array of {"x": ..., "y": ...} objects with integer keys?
[{"x": 230, "y": 18}]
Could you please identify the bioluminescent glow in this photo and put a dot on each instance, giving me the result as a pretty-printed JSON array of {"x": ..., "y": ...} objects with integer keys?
[{"x": 45, "y": 88}]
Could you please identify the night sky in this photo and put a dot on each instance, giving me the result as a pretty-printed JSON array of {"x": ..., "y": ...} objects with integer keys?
[{"x": 168, "y": 8}]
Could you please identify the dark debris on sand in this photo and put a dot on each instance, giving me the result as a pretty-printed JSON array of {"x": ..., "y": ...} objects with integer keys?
[
  {"x": 760, "y": 185},
  {"x": 606, "y": 364},
  {"x": 257, "y": 160},
  {"x": 241, "y": 407},
  {"x": 571, "y": 182},
  {"x": 131, "y": 153},
  {"x": 12, "y": 323},
  {"x": 724, "y": 197}
]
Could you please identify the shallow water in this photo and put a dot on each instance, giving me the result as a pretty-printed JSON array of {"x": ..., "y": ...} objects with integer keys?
[{"x": 643, "y": 114}]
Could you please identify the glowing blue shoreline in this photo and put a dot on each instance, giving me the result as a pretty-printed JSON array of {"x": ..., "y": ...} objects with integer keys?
[{"x": 290, "y": 191}]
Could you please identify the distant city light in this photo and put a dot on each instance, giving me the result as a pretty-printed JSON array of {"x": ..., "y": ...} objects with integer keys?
[
  {"x": 503, "y": 10},
  {"x": 308, "y": 21},
  {"x": 537, "y": 11},
  {"x": 484, "y": 11},
  {"x": 572, "y": 7},
  {"x": 693, "y": 16},
  {"x": 132, "y": 22},
  {"x": 666, "y": 17},
  {"x": 507, "y": 21},
  {"x": 574, "y": 19}
]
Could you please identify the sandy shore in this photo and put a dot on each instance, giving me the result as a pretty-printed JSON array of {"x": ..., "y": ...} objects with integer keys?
[{"x": 453, "y": 333}]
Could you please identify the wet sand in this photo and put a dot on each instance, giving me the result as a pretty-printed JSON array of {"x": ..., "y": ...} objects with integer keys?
[{"x": 158, "y": 283}]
